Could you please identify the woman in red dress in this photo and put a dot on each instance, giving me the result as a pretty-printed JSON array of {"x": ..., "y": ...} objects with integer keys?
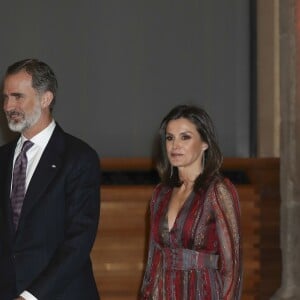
[{"x": 195, "y": 243}]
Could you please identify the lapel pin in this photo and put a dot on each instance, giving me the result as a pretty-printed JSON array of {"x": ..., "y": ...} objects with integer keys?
[{"x": 53, "y": 166}]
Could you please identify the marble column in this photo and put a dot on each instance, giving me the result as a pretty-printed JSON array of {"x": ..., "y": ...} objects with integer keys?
[{"x": 290, "y": 149}]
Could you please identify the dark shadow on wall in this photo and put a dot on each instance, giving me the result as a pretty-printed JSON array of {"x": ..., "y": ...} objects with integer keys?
[{"x": 141, "y": 177}]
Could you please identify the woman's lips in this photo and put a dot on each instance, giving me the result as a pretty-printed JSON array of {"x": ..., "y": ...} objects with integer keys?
[{"x": 176, "y": 155}]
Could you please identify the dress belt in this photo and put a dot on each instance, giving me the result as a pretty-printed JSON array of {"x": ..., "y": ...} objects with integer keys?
[{"x": 186, "y": 259}]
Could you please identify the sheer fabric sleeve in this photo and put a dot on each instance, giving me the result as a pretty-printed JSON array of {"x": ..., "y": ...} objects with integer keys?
[
  {"x": 226, "y": 207},
  {"x": 151, "y": 264}
]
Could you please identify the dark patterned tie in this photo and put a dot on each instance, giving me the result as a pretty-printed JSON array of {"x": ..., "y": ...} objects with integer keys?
[{"x": 19, "y": 182}]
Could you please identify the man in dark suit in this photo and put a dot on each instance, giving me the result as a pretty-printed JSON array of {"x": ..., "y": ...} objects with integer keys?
[{"x": 45, "y": 238}]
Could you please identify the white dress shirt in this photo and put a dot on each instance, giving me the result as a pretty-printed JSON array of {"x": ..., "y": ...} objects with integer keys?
[{"x": 34, "y": 154}]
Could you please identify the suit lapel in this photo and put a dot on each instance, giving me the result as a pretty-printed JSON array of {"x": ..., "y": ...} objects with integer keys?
[
  {"x": 47, "y": 168},
  {"x": 7, "y": 165}
]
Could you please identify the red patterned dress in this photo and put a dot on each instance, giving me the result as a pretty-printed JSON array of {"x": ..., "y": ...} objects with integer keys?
[{"x": 200, "y": 257}]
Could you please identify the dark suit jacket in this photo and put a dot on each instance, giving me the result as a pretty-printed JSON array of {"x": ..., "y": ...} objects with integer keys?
[{"x": 49, "y": 254}]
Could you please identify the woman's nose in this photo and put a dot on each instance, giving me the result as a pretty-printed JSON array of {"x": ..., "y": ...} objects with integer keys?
[{"x": 175, "y": 144}]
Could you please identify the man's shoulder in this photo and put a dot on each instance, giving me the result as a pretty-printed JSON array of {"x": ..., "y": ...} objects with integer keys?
[
  {"x": 77, "y": 142},
  {"x": 76, "y": 146}
]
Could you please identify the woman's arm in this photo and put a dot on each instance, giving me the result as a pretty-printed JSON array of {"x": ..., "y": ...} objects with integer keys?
[{"x": 226, "y": 206}]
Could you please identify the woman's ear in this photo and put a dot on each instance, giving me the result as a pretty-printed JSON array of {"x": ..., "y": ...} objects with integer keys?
[{"x": 204, "y": 146}]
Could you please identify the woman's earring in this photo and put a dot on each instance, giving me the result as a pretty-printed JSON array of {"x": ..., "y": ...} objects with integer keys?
[
  {"x": 171, "y": 173},
  {"x": 203, "y": 161}
]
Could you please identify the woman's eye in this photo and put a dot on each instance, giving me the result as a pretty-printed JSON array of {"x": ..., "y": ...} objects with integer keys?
[
  {"x": 169, "y": 138},
  {"x": 185, "y": 137}
]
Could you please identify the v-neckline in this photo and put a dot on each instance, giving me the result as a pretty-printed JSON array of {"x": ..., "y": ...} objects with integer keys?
[{"x": 179, "y": 213}]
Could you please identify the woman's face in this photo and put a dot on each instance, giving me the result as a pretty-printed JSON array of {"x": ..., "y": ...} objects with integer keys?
[{"x": 184, "y": 144}]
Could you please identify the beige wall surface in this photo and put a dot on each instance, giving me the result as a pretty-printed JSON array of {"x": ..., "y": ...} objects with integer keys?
[{"x": 268, "y": 84}]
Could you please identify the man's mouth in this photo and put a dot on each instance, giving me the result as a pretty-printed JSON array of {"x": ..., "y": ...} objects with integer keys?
[{"x": 14, "y": 116}]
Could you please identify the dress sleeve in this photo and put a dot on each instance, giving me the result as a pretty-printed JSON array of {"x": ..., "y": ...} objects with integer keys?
[
  {"x": 226, "y": 208},
  {"x": 152, "y": 261}
]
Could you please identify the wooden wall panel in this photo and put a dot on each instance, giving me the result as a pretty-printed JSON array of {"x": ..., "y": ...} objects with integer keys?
[{"x": 119, "y": 252}]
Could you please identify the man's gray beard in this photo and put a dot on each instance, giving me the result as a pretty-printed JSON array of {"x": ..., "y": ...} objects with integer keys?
[{"x": 27, "y": 122}]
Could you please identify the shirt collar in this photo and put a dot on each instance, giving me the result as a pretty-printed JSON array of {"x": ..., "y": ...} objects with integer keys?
[{"x": 42, "y": 138}]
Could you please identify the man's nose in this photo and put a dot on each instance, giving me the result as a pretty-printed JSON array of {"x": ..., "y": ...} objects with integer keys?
[{"x": 8, "y": 104}]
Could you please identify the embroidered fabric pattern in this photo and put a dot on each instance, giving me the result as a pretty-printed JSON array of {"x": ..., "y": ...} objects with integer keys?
[{"x": 200, "y": 257}]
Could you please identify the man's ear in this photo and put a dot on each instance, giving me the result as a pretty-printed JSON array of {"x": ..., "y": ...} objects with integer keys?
[{"x": 47, "y": 99}]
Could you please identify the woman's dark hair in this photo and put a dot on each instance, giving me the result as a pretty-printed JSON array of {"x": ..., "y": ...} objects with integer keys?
[
  {"x": 43, "y": 78},
  {"x": 213, "y": 156}
]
